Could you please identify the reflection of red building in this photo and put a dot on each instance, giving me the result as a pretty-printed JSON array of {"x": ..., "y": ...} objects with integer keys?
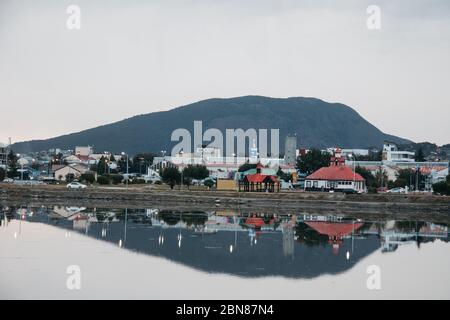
[{"x": 335, "y": 231}]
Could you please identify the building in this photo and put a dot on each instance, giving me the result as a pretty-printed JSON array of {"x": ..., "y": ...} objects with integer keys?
[
  {"x": 290, "y": 150},
  {"x": 259, "y": 182},
  {"x": 3, "y": 155},
  {"x": 84, "y": 151},
  {"x": 355, "y": 152},
  {"x": 336, "y": 177},
  {"x": 392, "y": 154},
  {"x": 226, "y": 185},
  {"x": 77, "y": 170}
]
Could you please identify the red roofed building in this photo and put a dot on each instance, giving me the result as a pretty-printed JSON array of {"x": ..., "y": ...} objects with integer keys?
[
  {"x": 337, "y": 177},
  {"x": 259, "y": 182}
]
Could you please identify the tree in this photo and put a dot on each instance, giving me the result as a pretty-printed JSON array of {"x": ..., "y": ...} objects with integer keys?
[
  {"x": 283, "y": 175},
  {"x": 246, "y": 166},
  {"x": 209, "y": 183},
  {"x": 313, "y": 160},
  {"x": 408, "y": 177},
  {"x": 70, "y": 177},
  {"x": 198, "y": 172},
  {"x": 367, "y": 175},
  {"x": 2, "y": 174},
  {"x": 171, "y": 176},
  {"x": 102, "y": 166},
  {"x": 420, "y": 157},
  {"x": 141, "y": 162},
  {"x": 442, "y": 187},
  {"x": 12, "y": 165}
]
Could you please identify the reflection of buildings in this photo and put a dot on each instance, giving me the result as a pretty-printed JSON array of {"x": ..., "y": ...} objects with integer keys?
[
  {"x": 67, "y": 212},
  {"x": 288, "y": 232},
  {"x": 335, "y": 231},
  {"x": 297, "y": 247},
  {"x": 393, "y": 235}
]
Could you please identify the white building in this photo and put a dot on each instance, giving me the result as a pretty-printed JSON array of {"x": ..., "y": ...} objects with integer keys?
[
  {"x": 3, "y": 155},
  {"x": 84, "y": 151},
  {"x": 356, "y": 152},
  {"x": 336, "y": 177},
  {"x": 76, "y": 169},
  {"x": 439, "y": 175},
  {"x": 392, "y": 154}
]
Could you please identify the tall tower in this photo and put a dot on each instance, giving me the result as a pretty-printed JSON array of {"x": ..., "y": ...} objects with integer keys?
[
  {"x": 290, "y": 148},
  {"x": 253, "y": 152}
]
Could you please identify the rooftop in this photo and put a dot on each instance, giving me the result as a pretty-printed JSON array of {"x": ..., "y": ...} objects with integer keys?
[{"x": 335, "y": 173}]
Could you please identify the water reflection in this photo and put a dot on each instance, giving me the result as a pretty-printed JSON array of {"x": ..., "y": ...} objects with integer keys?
[{"x": 245, "y": 244}]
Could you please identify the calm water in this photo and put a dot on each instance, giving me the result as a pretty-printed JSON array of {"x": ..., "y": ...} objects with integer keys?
[{"x": 151, "y": 253}]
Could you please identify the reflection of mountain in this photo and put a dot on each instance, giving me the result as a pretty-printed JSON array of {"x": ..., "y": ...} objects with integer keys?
[{"x": 253, "y": 254}]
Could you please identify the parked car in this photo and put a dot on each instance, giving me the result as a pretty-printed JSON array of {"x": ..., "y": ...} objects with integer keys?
[
  {"x": 397, "y": 190},
  {"x": 8, "y": 180},
  {"x": 76, "y": 185},
  {"x": 382, "y": 190},
  {"x": 350, "y": 191}
]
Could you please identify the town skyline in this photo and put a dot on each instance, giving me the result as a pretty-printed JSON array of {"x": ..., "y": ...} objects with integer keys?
[{"x": 129, "y": 60}]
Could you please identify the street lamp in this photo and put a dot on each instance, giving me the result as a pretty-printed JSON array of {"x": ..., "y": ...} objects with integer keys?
[
  {"x": 354, "y": 169},
  {"x": 123, "y": 154}
]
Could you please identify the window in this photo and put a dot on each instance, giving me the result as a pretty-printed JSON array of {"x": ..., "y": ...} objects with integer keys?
[
  {"x": 308, "y": 184},
  {"x": 316, "y": 184}
]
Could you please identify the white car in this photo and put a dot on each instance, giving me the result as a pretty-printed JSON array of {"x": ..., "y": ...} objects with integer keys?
[
  {"x": 8, "y": 180},
  {"x": 76, "y": 185},
  {"x": 397, "y": 190}
]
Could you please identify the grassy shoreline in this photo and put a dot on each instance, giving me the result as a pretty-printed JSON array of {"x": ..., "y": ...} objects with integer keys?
[{"x": 147, "y": 196}]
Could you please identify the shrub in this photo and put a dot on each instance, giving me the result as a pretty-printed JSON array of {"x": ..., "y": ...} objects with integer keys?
[
  {"x": 137, "y": 181},
  {"x": 442, "y": 188},
  {"x": 209, "y": 183},
  {"x": 103, "y": 180},
  {"x": 116, "y": 178},
  {"x": 87, "y": 177},
  {"x": 70, "y": 177}
]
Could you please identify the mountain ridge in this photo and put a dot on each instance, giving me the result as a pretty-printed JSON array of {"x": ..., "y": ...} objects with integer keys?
[{"x": 317, "y": 124}]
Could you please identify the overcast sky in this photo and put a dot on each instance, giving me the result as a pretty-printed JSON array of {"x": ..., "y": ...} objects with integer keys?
[{"x": 135, "y": 57}]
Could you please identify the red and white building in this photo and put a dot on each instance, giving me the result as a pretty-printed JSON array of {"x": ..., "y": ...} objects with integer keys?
[{"x": 336, "y": 177}]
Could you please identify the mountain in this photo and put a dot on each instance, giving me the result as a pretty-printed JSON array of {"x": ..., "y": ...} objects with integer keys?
[{"x": 316, "y": 123}]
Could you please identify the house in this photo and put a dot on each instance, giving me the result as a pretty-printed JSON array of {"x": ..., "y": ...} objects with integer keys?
[
  {"x": 259, "y": 182},
  {"x": 77, "y": 170},
  {"x": 336, "y": 177},
  {"x": 392, "y": 154}
]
